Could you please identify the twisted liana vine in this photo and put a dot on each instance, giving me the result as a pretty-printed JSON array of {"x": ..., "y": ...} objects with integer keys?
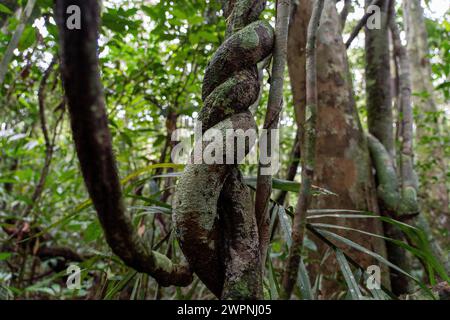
[
  {"x": 213, "y": 210},
  {"x": 86, "y": 103}
]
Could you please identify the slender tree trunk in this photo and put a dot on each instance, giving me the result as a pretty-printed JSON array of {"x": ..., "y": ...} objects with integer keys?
[
  {"x": 344, "y": 13},
  {"x": 380, "y": 123},
  {"x": 378, "y": 80},
  {"x": 271, "y": 123},
  {"x": 171, "y": 126},
  {"x": 308, "y": 159},
  {"x": 294, "y": 158},
  {"x": 433, "y": 165},
  {"x": 342, "y": 157},
  {"x": 409, "y": 177}
]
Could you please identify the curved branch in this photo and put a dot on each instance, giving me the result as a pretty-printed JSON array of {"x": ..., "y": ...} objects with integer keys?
[
  {"x": 83, "y": 88},
  {"x": 385, "y": 173}
]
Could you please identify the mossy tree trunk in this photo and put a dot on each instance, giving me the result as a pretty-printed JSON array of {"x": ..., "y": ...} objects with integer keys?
[{"x": 213, "y": 210}]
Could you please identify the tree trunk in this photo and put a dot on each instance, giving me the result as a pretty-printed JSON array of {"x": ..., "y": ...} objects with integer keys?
[
  {"x": 433, "y": 190},
  {"x": 342, "y": 158},
  {"x": 378, "y": 80},
  {"x": 380, "y": 123}
]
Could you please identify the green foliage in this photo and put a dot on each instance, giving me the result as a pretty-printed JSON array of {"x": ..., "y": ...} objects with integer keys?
[
  {"x": 439, "y": 42},
  {"x": 152, "y": 57}
]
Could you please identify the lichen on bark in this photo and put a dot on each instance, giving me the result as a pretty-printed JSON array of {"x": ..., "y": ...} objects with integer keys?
[{"x": 213, "y": 210}]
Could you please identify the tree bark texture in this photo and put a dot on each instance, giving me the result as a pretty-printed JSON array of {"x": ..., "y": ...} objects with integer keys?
[
  {"x": 380, "y": 123},
  {"x": 81, "y": 79},
  {"x": 342, "y": 159},
  {"x": 378, "y": 80},
  {"x": 271, "y": 122},
  {"x": 213, "y": 210},
  {"x": 433, "y": 191},
  {"x": 308, "y": 159}
]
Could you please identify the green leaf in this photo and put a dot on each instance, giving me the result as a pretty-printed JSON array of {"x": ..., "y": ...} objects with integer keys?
[
  {"x": 372, "y": 254},
  {"x": 273, "y": 284},
  {"x": 87, "y": 203},
  {"x": 152, "y": 12},
  {"x": 149, "y": 168},
  {"x": 333, "y": 247},
  {"x": 286, "y": 225},
  {"x": 137, "y": 282},
  {"x": 179, "y": 14},
  {"x": 286, "y": 185},
  {"x": 5, "y": 256},
  {"x": 5, "y": 9},
  {"x": 379, "y": 294},
  {"x": 92, "y": 232},
  {"x": 365, "y": 250},
  {"x": 28, "y": 38},
  {"x": 195, "y": 19},
  {"x": 353, "y": 287},
  {"x": 304, "y": 283},
  {"x": 152, "y": 210},
  {"x": 399, "y": 243},
  {"x": 415, "y": 235},
  {"x": 120, "y": 285}
]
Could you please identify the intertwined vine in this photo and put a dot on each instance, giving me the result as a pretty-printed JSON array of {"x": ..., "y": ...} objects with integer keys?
[{"x": 213, "y": 210}]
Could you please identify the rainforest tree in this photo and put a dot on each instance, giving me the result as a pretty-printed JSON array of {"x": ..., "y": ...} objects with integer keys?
[{"x": 100, "y": 99}]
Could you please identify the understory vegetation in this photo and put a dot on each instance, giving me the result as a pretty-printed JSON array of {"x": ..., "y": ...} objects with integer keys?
[{"x": 358, "y": 210}]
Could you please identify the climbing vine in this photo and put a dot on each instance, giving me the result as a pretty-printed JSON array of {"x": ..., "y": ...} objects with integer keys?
[{"x": 213, "y": 211}]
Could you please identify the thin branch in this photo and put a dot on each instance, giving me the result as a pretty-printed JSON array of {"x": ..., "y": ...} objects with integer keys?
[
  {"x": 274, "y": 108},
  {"x": 15, "y": 39},
  {"x": 344, "y": 13},
  {"x": 290, "y": 176},
  {"x": 360, "y": 24},
  {"x": 407, "y": 169},
  {"x": 49, "y": 142},
  {"x": 41, "y": 99},
  {"x": 308, "y": 156},
  {"x": 293, "y": 167}
]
